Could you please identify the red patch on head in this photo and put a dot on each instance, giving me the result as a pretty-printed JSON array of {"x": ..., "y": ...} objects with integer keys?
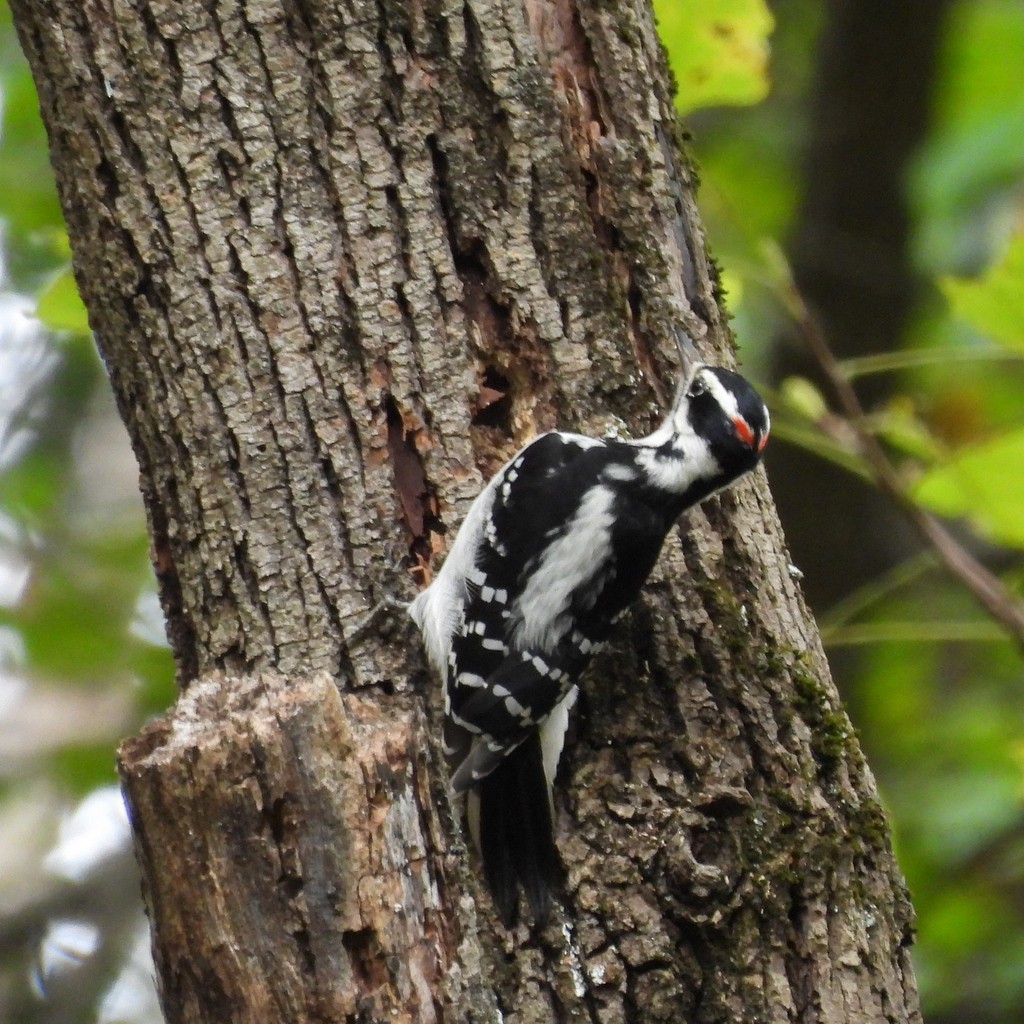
[{"x": 742, "y": 430}]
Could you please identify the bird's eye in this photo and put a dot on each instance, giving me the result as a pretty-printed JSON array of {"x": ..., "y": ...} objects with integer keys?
[{"x": 698, "y": 387}]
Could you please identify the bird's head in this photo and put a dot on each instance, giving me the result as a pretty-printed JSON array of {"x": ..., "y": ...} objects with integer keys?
[
  {"x": 722, "y": 408},
  {"x": 715, "y": 432},
  {"x": 717, "y": 411}
]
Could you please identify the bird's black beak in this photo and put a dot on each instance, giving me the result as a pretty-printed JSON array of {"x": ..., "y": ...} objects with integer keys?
[{"x": 689, "y": 359}]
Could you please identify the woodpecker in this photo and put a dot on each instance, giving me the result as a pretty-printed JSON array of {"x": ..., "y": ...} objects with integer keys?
[{"x": 551, "y": 553}]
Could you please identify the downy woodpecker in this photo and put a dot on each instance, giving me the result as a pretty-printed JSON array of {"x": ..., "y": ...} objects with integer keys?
[{"x": 552, "y": 551}]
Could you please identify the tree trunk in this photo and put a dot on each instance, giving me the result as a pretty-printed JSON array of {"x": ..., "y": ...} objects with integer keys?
[{"x": 341, "y": 259}]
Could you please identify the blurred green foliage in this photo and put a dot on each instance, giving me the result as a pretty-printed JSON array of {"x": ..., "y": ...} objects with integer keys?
[
  {"x": 725, "y": 56},
  {"x": 994, "y": 303},
  {"x": 78, "y": 536},
  {"x": 974, "y": 154},
  {"x": 59, "y": 306},
  {"x": 82, "y": 661},
  {"x": 975, "y": 484}
]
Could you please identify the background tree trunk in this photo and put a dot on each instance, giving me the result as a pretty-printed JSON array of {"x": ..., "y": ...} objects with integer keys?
[
  {"x": 852, "y": 260},
  {"x": 341, "y": 259}
]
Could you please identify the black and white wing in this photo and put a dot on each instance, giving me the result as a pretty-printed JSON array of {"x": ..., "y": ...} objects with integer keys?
[{"x": 514, "y": 657}]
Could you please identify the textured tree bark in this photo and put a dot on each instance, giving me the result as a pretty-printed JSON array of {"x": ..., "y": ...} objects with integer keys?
[{"x": 340, "y": 259}]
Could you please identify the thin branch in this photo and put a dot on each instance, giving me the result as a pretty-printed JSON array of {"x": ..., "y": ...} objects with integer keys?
[
  {"x": 986, "y": 587},
  {"x": 982, "y": 631},
  {"x": 888, "y": 362},
  {"x": 842, "y": 614}
]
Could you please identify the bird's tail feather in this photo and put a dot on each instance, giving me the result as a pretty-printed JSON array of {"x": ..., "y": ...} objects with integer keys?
[{"x": 516, "y": 836}]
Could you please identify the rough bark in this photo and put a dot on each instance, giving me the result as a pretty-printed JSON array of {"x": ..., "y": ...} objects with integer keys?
[{"x": 340, "y": 259}]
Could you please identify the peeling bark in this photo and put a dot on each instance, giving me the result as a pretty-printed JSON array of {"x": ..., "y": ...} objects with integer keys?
[
  {"x": 325, "y": 801},
  {"x": 341, "y": 259}
]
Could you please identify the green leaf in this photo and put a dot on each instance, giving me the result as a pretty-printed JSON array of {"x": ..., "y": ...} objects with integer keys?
[
  {"x": 982, "y": 484},
  {"x": 968, "y": 169},
  {"x": 803, "y": 398},
  {"x": 32, "y": 485},
  {"x": 28, "y": 198},
  {"x": 60, "y": 306},
  {"x": 718, "y": 50},
  {"x": 979, "y": 73},
  {"x": 994, "y": 303},
  {"x": 899, "y": 424},
  {"x": 84, "y": 767}
]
